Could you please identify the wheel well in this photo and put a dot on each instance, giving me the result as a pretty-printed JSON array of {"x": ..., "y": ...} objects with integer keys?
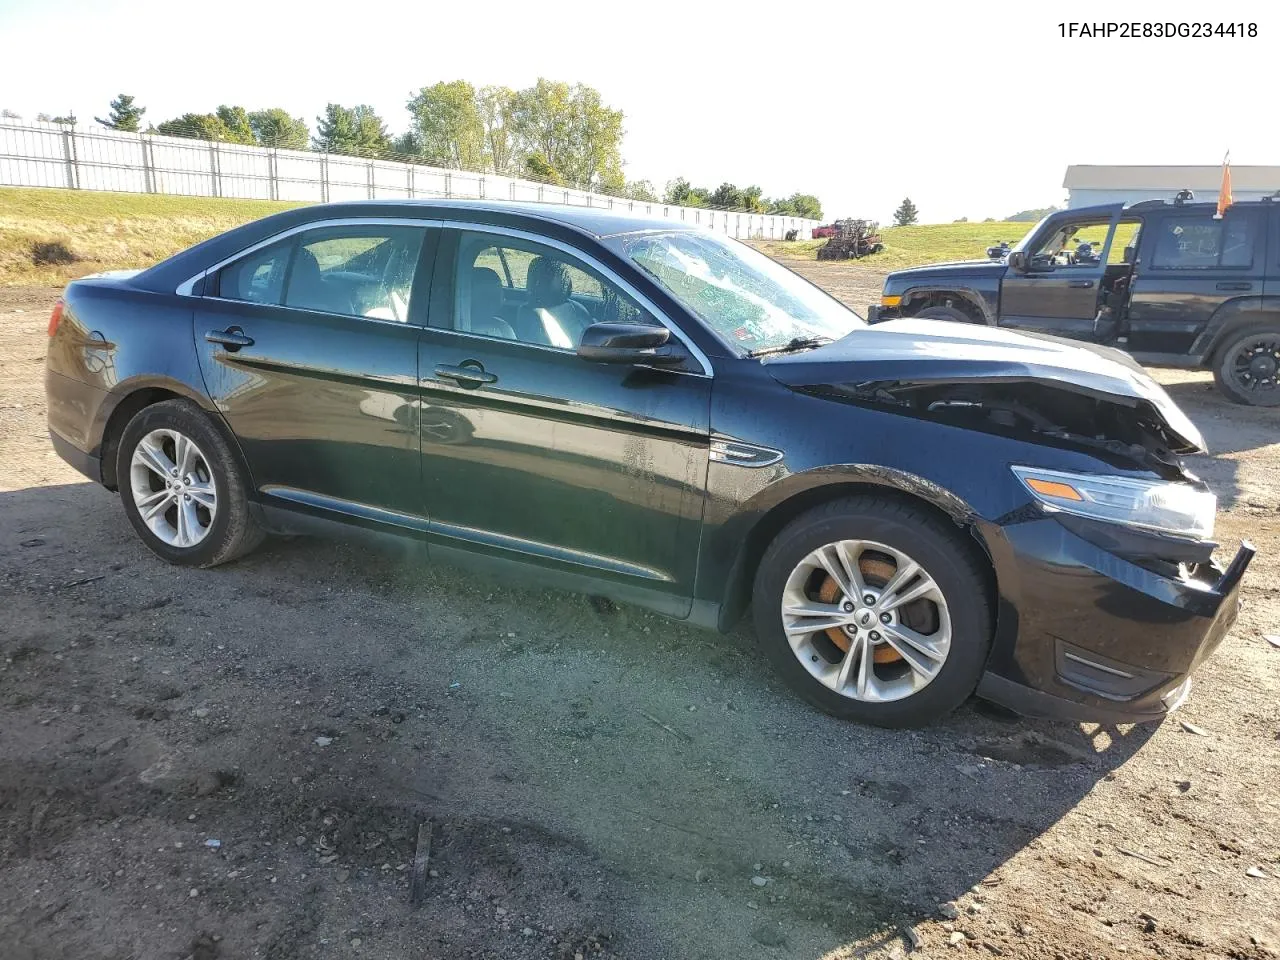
[
  {"x": 125, "y": 411},
  {"x": 945, "y": 298},
  {"x": 128, "y": 408},
  {"x": 742, "y": 576},
  {"x": 1233, "y": 328}
]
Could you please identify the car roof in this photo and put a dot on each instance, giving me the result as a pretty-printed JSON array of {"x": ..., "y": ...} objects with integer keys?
[
  {"x": 594, "y": 222},
  {"x": 597, "y": 221},
  {"x": 1142, "y": 206}
]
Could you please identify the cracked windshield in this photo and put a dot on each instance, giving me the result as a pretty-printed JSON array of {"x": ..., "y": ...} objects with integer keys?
[{"x": 747, "y": 298}]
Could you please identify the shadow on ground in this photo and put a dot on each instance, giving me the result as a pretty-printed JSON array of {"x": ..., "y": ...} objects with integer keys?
[{"x": 594, "y": 776}]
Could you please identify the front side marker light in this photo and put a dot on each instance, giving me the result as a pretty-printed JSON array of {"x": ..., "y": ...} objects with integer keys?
[
  {"x": 888, "y": 300},
  {"x": 1053, "y": 488}
]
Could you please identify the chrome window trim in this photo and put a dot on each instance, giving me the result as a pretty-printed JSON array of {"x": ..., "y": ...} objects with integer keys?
[
  {"x": 187, "y": 287},
  {"x": 605, "y": 271}
]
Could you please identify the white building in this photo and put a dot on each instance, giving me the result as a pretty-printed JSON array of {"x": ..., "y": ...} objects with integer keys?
[{"x": 1088, "y": 185}]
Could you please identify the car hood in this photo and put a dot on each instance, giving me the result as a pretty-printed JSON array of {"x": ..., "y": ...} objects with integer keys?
[
  {"x": 916, "y": 351},
  {"x": 960, "y": 268}
]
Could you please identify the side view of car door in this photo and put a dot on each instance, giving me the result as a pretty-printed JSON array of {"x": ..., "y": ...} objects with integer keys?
[
  {"x": 1191, "y": 265},
  {"x": 308, "y": 347},
  {"x": 536, "y": 454},
  {"x": 1057, "y": 291}
]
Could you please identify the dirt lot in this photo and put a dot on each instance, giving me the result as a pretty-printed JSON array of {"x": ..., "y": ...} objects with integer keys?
[{"x": 236, "y": 763}]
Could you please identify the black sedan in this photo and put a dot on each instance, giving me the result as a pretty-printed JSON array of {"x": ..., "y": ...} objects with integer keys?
[{"x": 638, "y": 409}]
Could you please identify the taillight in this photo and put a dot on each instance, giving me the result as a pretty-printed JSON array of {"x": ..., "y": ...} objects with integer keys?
[{"x": 55, "y": 317}]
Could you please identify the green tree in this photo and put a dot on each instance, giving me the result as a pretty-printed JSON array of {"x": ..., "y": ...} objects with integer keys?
[
  {"x": 727, "y": 196},
  {"x": 500, "y": 147},
  {"x": 906, "y": 214},
  {"x": 236, "y": 122},
  {"x": 124, "y": 114},
  {"x": 679, "y": 193},
  {"x": 7, "y": 114},
  {"x": 538, "y": 167},
  {"x": 640, "y": 190},
  {"x": 806, "y": 205},
  {"x": 407, "y": 145},
  {"x": 198, "y": 126},
  {"x": 1032, "y": 215},
  {"x": 356, "y": 131},
  {"x": 753, "y": 200},
  {"x": 274, "y": 127},
  {"x": 572, "y": 129},
  {"x": 447, "y": 122}
]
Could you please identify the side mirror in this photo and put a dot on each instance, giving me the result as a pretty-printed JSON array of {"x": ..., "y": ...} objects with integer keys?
[
  {"x": 609, "y": 342},
  {"x": 1018, "y": 261}
]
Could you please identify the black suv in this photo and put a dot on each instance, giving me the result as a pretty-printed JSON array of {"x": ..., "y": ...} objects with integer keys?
[{"x": 1167, "y": 281}]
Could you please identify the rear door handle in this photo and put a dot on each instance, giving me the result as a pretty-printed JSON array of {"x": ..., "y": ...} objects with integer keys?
[
  {"x": 232, "y": 338},
  {"x": 469, "y": 374},
  {"x": 1236, "y": 285},
  {"x": 1081, "y": 284}
]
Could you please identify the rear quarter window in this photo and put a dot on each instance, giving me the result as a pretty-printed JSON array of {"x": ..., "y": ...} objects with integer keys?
[
  {"x": 257, "y": 278},
  {"x": 1200, "y": 242}
]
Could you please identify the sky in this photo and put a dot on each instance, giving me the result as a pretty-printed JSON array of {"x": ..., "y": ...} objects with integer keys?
[{"x": 970, "y": 109}]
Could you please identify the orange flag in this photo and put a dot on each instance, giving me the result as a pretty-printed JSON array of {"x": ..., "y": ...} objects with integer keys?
[{"x": 1224, "y": 195}]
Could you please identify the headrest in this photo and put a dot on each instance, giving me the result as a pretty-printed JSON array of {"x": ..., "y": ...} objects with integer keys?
[
  {"x": 486, "y": 293},
  {"x": 548, "y": 283}
]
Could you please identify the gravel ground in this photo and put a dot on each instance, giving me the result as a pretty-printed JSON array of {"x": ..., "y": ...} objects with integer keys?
[{"x": 240, "y": 762}]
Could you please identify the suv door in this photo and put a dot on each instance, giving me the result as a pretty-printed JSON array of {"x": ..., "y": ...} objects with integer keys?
[
  {"x": 1190, "y": 265},
  {"x": 308, "y": 347},
  {"x": 533, "y": 453},
  {"x": 1059, "y": 290}
]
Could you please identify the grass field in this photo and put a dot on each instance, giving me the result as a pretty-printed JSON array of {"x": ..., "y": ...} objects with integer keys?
[
  {"x": 52, "y": 236},
  {"x": 922, "y": 243}
]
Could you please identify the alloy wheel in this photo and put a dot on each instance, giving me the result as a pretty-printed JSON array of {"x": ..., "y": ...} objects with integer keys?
[
  {"x": 173, "y": 488},
  {"x": 866, "y": 620},
  {"x": 1255, "y": 365}
]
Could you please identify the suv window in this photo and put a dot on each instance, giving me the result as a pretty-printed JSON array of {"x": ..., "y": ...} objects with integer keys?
[
  {"x": 1199, "y": 242},
  {"x": 358, "y": 271},
  {"x": 513, "y": 289}
]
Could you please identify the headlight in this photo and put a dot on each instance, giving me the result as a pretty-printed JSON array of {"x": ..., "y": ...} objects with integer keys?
[{"x": 1170, "y": 507}]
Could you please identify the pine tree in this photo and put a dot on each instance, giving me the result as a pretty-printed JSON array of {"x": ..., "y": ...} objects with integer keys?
[
  {"x": 906, "y": 214},
  {"x": 124, "y": 115}
]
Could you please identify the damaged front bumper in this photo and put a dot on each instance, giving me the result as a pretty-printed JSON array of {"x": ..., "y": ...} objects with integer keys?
[{"x": 1101, "y": 636}]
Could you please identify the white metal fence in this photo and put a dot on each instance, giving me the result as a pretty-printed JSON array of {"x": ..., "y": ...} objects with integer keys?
[{"x": 35, "y": 154}]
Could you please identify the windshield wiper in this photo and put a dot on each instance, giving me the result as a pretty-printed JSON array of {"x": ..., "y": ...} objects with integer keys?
[{"x": 791, "y": 346}]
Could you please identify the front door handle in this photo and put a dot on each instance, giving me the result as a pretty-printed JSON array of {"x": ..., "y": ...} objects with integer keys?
[
  {"x": 232, "y": 338},
  {"x": 1235, "y": 285},
  {"x": 1080, "y": 284},
  {"x": 469, "y": 374}
]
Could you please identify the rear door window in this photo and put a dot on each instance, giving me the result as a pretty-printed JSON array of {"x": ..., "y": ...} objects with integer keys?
[
  {"x": 358, "y": 271},
  {"x": 1200, "y": 242}
]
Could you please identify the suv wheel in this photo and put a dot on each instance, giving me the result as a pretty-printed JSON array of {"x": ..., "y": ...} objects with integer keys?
[
  {"x": 183, "y": 488},
  {"x": 874, "y": 611},
  {"x": 944, "y": 313},
  {"x": 1248, "y": 367}
]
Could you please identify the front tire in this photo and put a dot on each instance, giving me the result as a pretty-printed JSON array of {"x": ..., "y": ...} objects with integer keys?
[
  {"x": 183, "y": 488},
  {"x": 874, "y": 610},
  {"x": 954, "y": 314},
  {"x": 1247, "y": 368}
]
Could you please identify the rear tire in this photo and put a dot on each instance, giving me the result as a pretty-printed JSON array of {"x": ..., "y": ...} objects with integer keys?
[
  {"x": 898, "y": 691},
  {"x": 183, "y": 488},
  {"x": 954, "y": 314},
  {"x": 1247, "y": 367}
]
